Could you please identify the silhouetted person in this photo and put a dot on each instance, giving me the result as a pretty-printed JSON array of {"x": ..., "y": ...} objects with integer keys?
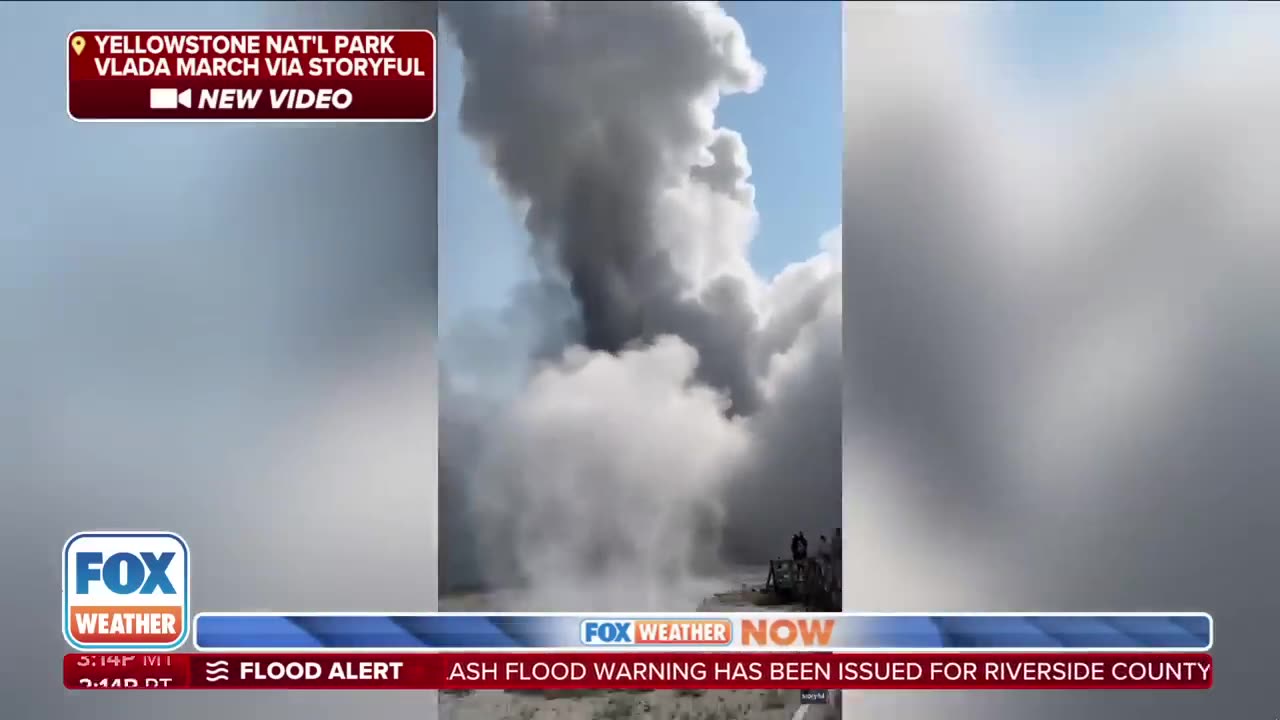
[{"x": 837, "y": 561}]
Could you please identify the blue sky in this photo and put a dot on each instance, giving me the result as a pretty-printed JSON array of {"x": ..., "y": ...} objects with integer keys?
[
  {"x": 792, "y": 128},
  {"x": 1056, "y": 49}
]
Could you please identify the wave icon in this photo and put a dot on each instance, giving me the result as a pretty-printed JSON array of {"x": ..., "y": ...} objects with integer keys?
[{"x": 216, "y": 671}]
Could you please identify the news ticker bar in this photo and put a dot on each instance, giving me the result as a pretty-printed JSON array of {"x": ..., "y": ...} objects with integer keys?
[
  {"x": 251, "y": 76},
  {"x": 1187, "y": 632},
  {"x": 634, "y": 671}
]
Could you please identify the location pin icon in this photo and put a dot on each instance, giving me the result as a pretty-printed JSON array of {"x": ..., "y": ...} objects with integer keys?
[{"x": 77, "y": 44}]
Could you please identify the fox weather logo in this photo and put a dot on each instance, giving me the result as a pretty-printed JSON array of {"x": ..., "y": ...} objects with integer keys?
[
  {"x": 125, "y": 591},
  {"x": 606, "y": 632},
  {"x": 657, "y": 631}
]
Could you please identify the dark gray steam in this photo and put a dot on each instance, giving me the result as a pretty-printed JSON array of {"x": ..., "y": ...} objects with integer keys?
[
  {"x": 693, "y": 395},
  {"x": 1063, "y": 363},
  {"x": 590, "y": 113}
]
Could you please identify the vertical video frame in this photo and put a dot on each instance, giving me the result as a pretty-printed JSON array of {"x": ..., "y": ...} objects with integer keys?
[{"x": 640, "y": 313}]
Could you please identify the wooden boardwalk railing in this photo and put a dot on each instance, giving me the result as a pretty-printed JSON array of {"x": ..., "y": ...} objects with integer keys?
[{"x": 812, "y": 582}]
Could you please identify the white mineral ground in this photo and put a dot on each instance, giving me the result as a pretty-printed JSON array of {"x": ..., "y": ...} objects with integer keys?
[{"x": 738, "y": 595}]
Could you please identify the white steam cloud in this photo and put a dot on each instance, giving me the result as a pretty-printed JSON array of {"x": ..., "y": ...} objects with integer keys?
[{"x": 674, "y": 420}]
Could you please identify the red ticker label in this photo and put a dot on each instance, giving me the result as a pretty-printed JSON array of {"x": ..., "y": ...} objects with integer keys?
[
  {"x": 251, "y": 76},
  {"x": 640, "y": 671}
]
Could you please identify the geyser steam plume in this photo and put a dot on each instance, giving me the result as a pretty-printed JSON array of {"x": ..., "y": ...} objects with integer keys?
[
  {"x": 690, "y": 401},
  {"x": 1064, "y": 366}
]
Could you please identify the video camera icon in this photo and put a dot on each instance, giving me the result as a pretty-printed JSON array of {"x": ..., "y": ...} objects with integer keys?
[{"x": 170, "y": 98}]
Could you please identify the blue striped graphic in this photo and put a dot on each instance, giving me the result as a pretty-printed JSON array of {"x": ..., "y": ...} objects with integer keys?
[{"x": 233, "y": 631}]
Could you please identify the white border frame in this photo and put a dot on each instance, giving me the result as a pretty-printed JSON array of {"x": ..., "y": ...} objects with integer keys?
[{"x": 187, "y": 620}]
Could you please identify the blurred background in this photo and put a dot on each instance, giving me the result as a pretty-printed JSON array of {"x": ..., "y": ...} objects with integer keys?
[
  {"x": 222, "y": 330},
  {"x": 1062, "y": 364}
]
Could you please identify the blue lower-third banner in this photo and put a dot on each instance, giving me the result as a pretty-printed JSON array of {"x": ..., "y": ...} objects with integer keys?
[{"x": 1190, "y": 632}]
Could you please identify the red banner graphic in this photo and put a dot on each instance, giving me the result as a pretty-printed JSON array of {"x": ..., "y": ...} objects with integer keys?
[
  {"x": 252, "y": 76},
  {"x": 653, "y": 671}
]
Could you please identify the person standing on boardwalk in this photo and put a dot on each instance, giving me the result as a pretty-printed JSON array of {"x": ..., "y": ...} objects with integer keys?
[{"x": 795, "y": 547}]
